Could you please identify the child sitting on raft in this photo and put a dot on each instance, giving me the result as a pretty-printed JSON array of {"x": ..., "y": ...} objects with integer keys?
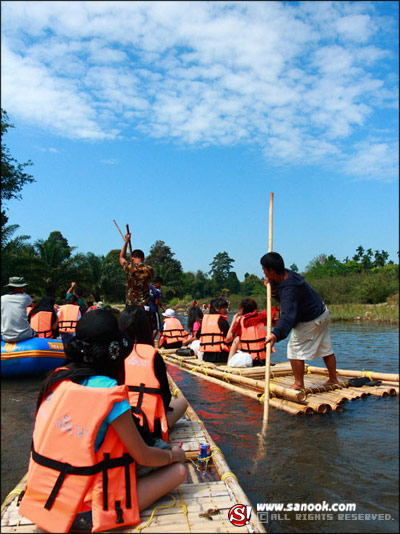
[
  {"x": 213, "y": 331},
  {"x": 248, "y": 331},
  {"x": 195, "y": 317},
  {"x": 85, "y": 444},
  {"x": 153, "y": 408},
  {"x": 172, "y": 333}
]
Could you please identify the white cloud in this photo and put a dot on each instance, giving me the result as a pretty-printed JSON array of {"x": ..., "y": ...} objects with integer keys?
[{"x": 295, "y": 79}]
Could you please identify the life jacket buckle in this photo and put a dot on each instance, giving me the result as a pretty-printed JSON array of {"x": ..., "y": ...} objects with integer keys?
[{"x": 119, "y": 512}]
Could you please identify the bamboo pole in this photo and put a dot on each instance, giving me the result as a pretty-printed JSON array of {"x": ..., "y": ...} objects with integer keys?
[
  {"x": 122, "y": 235},
  {"x": 129, "y": 242},
  {"x": 269, "y": 321},
  {"x": 348, "y": 372}
]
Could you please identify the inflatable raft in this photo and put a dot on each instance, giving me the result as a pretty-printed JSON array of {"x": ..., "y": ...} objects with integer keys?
[{"x": 31, "y": 357}]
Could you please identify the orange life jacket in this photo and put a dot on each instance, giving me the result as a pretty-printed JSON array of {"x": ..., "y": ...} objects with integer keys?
[
  {"x": 68, "y": 318},
  {"x": 212, "y": 338},
  {"x": 28, "y": 309},
  {"x": 252, "y": 339},
  {"x": 65, "y": 473},
  {"x": 173, "y": 332},
  {"x": 91, "y": 308},
  {"x": 41, "y": 322},
  {"x": 144, "y": 388}
]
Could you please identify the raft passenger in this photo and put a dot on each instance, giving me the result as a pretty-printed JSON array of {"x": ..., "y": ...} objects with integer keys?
[
  {"x": 154, "y": 410},
  {"x": 248, "y": 331},
  {"x": 172, "y": 332},
  {"x": 213, "y": 331},
  {"x": 85, "y": 444},
  {"x": 195, "y": 317},
  {"x": 14, "y": 319},
  {"x": 43, "y": 318}
]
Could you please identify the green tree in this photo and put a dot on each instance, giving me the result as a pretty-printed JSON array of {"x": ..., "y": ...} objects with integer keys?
[
  {"x": 221, "y": 266},
  {"x": 294, "y": 268},
  {"x": 16, "y": 256},
  {"x": 54, "y": 267},
  {"x": 13, "y": 175},
  {"x": 252, "y": 285},
  {"x": 90, "y": 270},
  {"x": 161, "y": 254},
  {"x": 232, "y": 283},
  {"x": 112, "y": 278}
]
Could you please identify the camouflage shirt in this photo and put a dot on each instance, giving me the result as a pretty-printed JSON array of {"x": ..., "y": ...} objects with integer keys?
[{"x": 138, "y": 277}]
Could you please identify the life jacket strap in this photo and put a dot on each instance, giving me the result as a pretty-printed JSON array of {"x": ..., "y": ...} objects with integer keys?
[
  {"x": 47, "y": 333},
  {"x": 67, "y": 469},
  {"x": 142, "y": 389},
  {"x": 67, "y": 324},
  {"x": 173, "y": 333}
]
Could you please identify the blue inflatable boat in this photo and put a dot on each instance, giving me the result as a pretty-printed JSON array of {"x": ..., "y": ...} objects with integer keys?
[{"x": 33, "y": 356}]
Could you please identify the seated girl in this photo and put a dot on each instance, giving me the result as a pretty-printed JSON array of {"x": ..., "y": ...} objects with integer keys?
[
  {"x": 85, "y": 444},
  {"x": 247, "y": 331},
  {"x": 172, "y": 333},
  {"x": 150, "y": 398},
  {"x": 195, "y": 317},
  {"x": 213, "y": 331}
]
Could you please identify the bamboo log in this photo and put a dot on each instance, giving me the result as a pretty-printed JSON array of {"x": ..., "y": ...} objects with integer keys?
[
  {"x": 280, "y": 404},
  {"x": 223, "y": 469},
  {"x": 277, "y": 390},
  {"x": 317, "y": 405},
  {"x": 348, "y": 372}
]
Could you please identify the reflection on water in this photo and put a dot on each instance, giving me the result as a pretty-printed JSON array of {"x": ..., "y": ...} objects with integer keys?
[{"x": 338, "y": 457}]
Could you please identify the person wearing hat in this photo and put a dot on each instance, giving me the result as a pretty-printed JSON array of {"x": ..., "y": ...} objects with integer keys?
[
  {"x": 172, "y": 332},
  {"x": 84, "y": 427},
  {"x": 14, "y": 319}
]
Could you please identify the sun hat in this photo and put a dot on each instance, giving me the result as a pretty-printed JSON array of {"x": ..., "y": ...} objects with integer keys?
[
  {"x": 169, "y": 312},
  {"x": 16, "y": 281}
]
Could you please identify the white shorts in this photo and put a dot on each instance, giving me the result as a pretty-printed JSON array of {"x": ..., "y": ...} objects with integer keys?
[{"x": 311, "y": 339}]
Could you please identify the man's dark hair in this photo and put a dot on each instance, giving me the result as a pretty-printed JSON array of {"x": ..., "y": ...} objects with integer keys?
[
  {"x": 79, "y": 291},
  {"x": 274, "y": 261},
  {"x": 158, "y": 279},
  {"x": 72, "y": 299},
  {"x": 137, "y": 253}
]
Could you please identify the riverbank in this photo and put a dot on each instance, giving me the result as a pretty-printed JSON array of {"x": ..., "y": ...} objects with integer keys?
[{"x": 385, "y": 312}]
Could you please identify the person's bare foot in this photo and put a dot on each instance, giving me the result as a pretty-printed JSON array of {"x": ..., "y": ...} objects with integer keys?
[
  {"x": 332, "y": 382},
  {"x": 298, "y": 387}
]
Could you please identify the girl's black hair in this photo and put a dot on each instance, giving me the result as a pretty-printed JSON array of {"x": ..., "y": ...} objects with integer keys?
[
  {"x": 195, "y": 314},
  {"x": 217, "y": 303},
  {"x": 248, "y": 305},
  {"x": 134, "y": 322},
  {"x": 102, "y": 352}
]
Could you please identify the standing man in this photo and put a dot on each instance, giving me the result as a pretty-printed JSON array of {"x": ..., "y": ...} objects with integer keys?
[
  {"x": 138, "y": 277},
  {"x": 14, "y": 319},
  {"x": 302, "y": 311},
  {"x": 155, "y": 303}
]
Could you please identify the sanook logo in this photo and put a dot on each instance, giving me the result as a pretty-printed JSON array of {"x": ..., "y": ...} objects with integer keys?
[{"x": 239, "y": 515}]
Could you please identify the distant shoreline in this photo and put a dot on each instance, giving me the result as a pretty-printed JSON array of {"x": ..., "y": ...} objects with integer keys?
[{"x": 376, "y": 313}]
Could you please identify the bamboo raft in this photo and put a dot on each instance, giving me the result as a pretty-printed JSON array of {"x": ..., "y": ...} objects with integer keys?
[
  {"x": 201, "y": 504},
  {"x": 316, "y": 397}
]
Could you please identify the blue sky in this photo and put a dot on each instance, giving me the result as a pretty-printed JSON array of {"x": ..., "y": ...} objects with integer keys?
[{"x": 180, "y": 118}]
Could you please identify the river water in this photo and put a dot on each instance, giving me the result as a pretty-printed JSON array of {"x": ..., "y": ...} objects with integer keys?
[{"x": 347, "y": 457}]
